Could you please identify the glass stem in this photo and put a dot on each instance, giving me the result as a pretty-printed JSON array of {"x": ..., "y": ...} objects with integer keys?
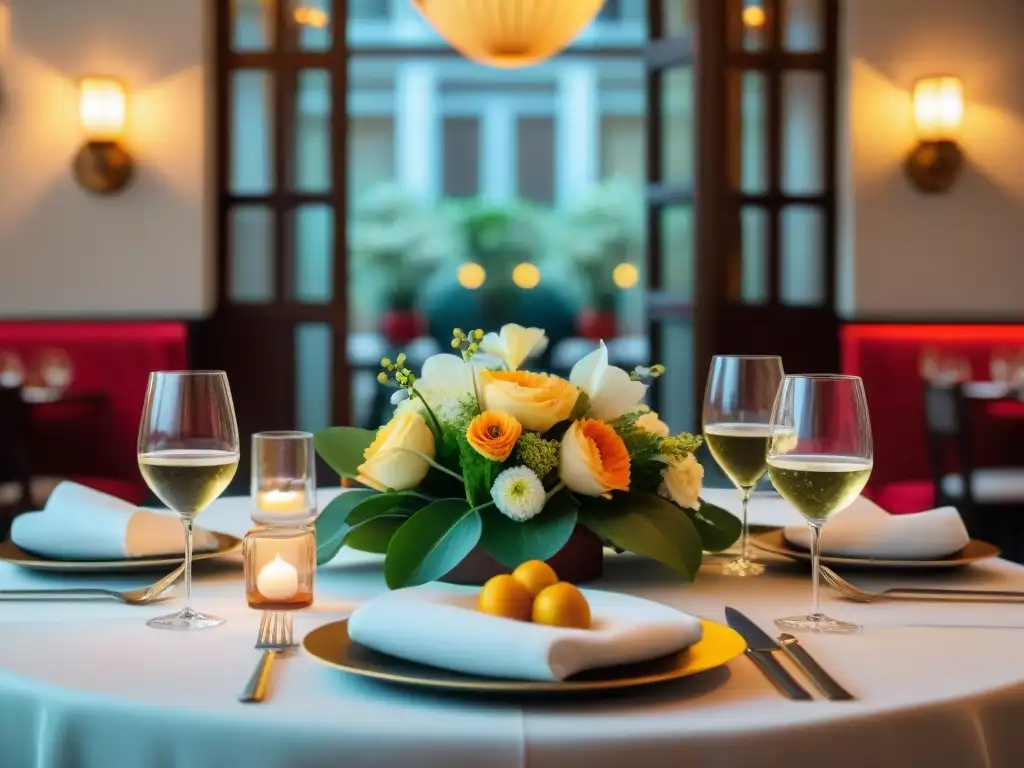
[
  {"x": 815, "y": 564},
  {"x": 188, "y": 562},
  {"x": 745, "y": 533}
]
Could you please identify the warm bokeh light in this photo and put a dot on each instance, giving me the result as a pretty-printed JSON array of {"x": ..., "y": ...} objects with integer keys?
[
  {"x": 307, "y": 16},
  {"x": 102, "y": 105},
  {"x": 754, "y": 16},
  {"x": 625, "y": 275},
  {"x": 526, "y": 275},
  {"x": 938, "y": 107},
  {"x": 471, "y": 276}
]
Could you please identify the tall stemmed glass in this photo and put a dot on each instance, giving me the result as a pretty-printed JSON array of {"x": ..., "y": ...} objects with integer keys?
[
  {"x": 188, "y": 453},
  {"x": 738, "y": 403},
  {"x": 819, "y": 459}
]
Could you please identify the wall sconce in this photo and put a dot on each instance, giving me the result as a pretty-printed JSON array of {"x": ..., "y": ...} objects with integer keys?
[
  {"x": 103, "y": 166},
  {"x": 935, "y": 164}
]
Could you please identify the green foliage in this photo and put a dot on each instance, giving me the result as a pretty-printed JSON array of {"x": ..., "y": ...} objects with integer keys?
[
  {"x": 536, "y": 453},
  {"x": 511, "y": 542},
  {"x": 647, "y": 525},
  {"x": 718, "y": 529},
  {"x": 342, "y": 521},
  {"x": 332, "y": 526},
  {"x": 649, "y": 452},
  {"x": 431, "y": 542},
  {"x": 374, "y": 535},
  {"x": 478, "y": 472},
  {"x": 579, "y": 410},
  {"x": 343, "y": 448}
]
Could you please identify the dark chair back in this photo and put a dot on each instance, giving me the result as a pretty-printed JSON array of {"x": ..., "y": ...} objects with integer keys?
[
  {"x": 947, "y": 420},
  {"x": 15, "y": 464}
]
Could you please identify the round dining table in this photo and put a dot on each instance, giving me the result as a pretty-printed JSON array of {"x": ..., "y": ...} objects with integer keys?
[{"x": 85, "y": 684}]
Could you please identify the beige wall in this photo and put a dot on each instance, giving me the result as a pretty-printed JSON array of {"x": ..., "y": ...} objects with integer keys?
[
  {"x": 64, "y": 252},
  {"x": 960, "y": 254}
]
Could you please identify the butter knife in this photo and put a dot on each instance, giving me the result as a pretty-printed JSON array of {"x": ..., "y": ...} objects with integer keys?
[
  {"x": 821, "y": 679},
  {"x": 759, "y": 651}
]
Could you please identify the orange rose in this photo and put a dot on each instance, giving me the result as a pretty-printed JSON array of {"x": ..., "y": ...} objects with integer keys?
[
  {"x": 537, "y": 400},
  {"x": 593, "y": 460},
  {"x": 493, "y": 434}
]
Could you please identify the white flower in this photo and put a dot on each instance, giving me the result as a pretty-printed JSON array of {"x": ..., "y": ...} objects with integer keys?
[
  {"x": 612, "y": 393},
  {"x": 514, "y": 344},
  {"x": 650, "y": 422},
  {"x": 681, "y": 481},
  {"x": 518, "y": 493},
  {"x": 444, "y": 382}
]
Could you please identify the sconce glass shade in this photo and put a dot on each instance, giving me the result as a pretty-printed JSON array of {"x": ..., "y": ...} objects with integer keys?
[
  {"x": 509, "y": 34},
  {"x": 103, "y": 108},
  {"x": 938, "y": 108}
]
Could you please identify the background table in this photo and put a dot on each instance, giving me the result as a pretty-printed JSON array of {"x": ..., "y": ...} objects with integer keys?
[{"x": 89, "y": 685}]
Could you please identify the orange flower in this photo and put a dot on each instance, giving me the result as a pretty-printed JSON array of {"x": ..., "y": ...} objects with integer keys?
[
  {"x": 593, "y": 460},
  {"x": 538, "y": 401},
  {"x": 493, "y": 434}
]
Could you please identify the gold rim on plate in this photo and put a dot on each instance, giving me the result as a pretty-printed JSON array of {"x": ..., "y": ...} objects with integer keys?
[
  {"x": 777, "y": 543},
  {"x": 12, "y": 553},
  {"x": 331, "y": 645}
]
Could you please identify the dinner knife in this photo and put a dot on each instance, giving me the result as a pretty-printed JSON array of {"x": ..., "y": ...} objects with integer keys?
[
  {"x": 822, "y": 679},
  {"x": 759, "y": 650}
]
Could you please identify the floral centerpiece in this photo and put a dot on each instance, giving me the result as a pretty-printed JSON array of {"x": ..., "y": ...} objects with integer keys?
[{"x": 481, "y": 455}]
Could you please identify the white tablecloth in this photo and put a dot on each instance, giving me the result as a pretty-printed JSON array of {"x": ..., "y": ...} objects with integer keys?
[{"x": 89, "y": 686}]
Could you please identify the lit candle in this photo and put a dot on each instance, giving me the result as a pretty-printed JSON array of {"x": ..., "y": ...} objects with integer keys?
[
  {"x": 281, "y": 501},
  {"x": 278, "y": 580}
]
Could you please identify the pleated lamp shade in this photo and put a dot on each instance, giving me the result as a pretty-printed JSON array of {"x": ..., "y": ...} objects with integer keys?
[{"x": 509, "y": 33}]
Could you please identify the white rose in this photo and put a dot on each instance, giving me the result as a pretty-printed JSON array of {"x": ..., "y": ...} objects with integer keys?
[
  {"x": 650, "y": 422},
  {"x": 397, "y": 457},
  {"x": 514, "y": 344},
  {"x": 681, "y": 482},
  {"x": 612, "y": 393}
]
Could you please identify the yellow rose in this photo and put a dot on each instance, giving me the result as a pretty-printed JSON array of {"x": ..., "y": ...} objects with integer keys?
[
  {"x": 537, "y": 400},
  {"x": 592, "y": 459},
  {"x": 392, "y": 460},
  {"x": 650, "y": 422},
  {"x": 682, "y": 481}
]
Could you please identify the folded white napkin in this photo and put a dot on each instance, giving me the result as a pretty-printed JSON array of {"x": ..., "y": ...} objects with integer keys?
[
  {"x": 866, "y": 530},
  {"x": 79, "y": 523},
  {"x": 440, "y": 626}
]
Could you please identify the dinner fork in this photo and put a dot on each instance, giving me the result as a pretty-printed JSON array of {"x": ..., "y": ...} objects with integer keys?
[
  {"x": 142, "y": 596},
  {"x": 850, "y": 592},
  {"x": 275, "y": 637}
]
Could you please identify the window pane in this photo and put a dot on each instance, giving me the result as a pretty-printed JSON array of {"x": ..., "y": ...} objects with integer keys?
[
  {"x": 754, "y": 255},
  {"x": 252, "y": 24},
  {"x": 803, "y": 149},
  {"x": 313, "y": 342},
  {"x": 312, "y": 168},
  {"x": 755, "y": 25},
  {"x": 536, "y": 148},
  {"x": 461, "y": 156},
  {"x": 368, "y": 10},
  {"x": 251, "y": 247},
  {"x": 804, "y": 22},
  {"x": 677, "y": 252},
  {"x": 312, "y": 20},
  {"x": 677, "y": 16},
  {"x": 677, "y": 126},
  {"x": 802, "y": 250},
  {"x": 252, "y": 165},
  {"x": 371, "y": 154},
  {"x": 313, "y": 254},
  {"x": 622, "y": 147},
  {"x": 753, "y": 154}
]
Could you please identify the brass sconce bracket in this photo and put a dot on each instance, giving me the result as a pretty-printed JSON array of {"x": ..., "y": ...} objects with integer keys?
[
  {"x": 103, "y": 167},
  {"x": 933, "y": 167}
]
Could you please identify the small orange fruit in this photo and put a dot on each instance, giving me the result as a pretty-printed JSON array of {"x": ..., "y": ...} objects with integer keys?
[
  {"x": 562, "y": 605},
  {"x": 504, "y": 596},
  {"x": 535, "y": 575}
]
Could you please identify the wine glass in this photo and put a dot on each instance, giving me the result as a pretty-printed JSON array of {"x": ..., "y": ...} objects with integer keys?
[
  {"x": 188, "y": 453},
  {"x": 738, "y": 403},
  {"x": 819, "y": 459}
]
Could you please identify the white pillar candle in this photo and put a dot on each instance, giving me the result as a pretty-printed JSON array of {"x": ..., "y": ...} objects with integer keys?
[{"x": 278, "y": 580}]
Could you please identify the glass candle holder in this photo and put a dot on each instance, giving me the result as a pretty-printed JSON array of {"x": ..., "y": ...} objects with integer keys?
[
  {"x": 283, "y": 478},
  {"x": 280, "y": 566}
]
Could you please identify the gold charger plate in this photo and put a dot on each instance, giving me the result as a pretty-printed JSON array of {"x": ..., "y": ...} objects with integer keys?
[
  {"x": 776, "y": 543},
  {"x": 11, "y": 553},
  {"x": 331, "y": 645}
]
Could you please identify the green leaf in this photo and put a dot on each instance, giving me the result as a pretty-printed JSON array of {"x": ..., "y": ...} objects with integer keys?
[
  {"x": 431, "y": 543},
  {"x": 375, "y": 534},
  {"x": 398, "y": 503},
  {"x": 580, "y": 409},
  {"x": 648, "y": 525},
  {"x": 343, "y": 448},
  {"x": 718, "y": 529},
  {"x": 511, "y": 542},
  {"x": 332, "y": 526}
]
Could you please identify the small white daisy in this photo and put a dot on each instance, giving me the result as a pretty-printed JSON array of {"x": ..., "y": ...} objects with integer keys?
[{"x": 518, "y": 493}]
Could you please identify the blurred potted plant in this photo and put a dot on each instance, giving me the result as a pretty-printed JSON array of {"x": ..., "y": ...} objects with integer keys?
[
  {"x": 603, "y": 231},
  {"x": 399, "y": 241}
]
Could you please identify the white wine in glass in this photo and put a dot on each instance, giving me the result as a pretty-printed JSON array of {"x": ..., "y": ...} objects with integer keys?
[
  {"x": 819, "y": 459},
  {"x": 738, "y": 403},
  {"x": 188, "y": 454}
]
